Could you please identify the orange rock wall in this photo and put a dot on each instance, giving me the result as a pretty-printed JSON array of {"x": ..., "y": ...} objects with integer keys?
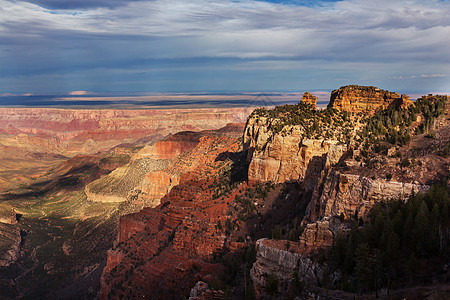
[{"x": 354, "y": 98}]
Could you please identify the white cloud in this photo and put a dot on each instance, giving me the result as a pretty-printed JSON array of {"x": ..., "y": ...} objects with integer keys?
[
  {"x": 79, "y": 93},
  {"x": 244, "y": 29},
  {"x": 348, "y": 35},
  {"x": 420, "y": 76}
]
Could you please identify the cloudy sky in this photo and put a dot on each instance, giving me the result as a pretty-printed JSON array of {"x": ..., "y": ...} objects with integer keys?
[{"x": 56, "y": 46}]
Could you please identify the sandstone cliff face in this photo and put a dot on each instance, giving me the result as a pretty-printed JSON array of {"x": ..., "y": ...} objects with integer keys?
[
  {"x": 309, "y": 99},
  {"x": 171, "y": 147},
  {"x": 316, "y": 236},
  {"x": 350, "y": 194},
  {"x": 165, "y": 248},
  {"x": 272, "y": 257},
  {"x": 284, "y": 157},
  {"x": 356, "y": 98}
]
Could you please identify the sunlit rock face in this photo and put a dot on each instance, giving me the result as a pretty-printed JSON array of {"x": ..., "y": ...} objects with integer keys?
[
  {"x": 308, "y": 98},
  {"x": 155, "y": 169},
  {"x": 354, "y": 98},
  {"x": 281, "y": 157}
]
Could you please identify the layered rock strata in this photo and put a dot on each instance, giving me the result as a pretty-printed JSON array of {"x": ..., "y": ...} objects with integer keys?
[
  {"x": 157, "y": 168},
  {"x": 350, "y": 195},
  {"x": 356, "y": 98},
  {"x": 284, "y": 157},
  {"x": 162, "y": 252},
  {"x": 273, "y": 258},
  {"x": 77, "y": 131}
]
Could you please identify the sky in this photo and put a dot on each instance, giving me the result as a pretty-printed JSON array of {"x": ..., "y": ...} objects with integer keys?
[{"x": 54, "y": 46}]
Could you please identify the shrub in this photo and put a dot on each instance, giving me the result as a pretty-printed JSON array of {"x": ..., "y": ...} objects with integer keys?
[
  {"x": 277, "y": 232},
  {"x": 271, "y": 286}
]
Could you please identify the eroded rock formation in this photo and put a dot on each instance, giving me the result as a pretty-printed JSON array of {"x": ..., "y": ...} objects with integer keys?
[
  {"x": 157, "y": 168},
  {"x": 354, "y": 98},
  {"x": 273, "y": 258},
  {"x": 350, "y": 195},
  {"x": 280, "y": 157},
  {"x": 163, "y": 251},
  {"x": 10, "y": 237},
  {"x": 316, "y": 236},
  {"x": 77, "y": 131},
  {"x": 166, "y": 251},
  {"x": 308, "y": 98}
]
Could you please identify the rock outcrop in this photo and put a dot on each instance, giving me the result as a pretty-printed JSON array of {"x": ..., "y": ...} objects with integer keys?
[
  {"x": 308, "y": 98},
  {"x": 10, "y": 237},
  {"x": 273, "y": 258},
  {"x": 351, "y": 195},
  {"x": 7, "y": 214},
  {"x": 355, "y": 98},
  {"x": 202, "y": 291},
  {"x": 286, "y": 155},
  {"x": 316, "y": 236},
  {"x": 282, "y": 157},
  {"x": 122, "y": 182}
]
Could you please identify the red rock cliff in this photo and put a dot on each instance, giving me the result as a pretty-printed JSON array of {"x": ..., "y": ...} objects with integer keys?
[{"x": 162, "y": 252}]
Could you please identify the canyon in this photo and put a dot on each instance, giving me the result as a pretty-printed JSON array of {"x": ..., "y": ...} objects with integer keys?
[
  {"x": 340, "y": 186},
  {"x": 48, "y": 158},
  {"x": 254, "y": 204}
]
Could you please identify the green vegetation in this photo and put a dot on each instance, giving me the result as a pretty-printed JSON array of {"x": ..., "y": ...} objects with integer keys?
[
  {"x": 431, "y": 107},
  {"x": 374, "y": 134},
  {"x": 399, "y": 239},
  {"x": 395, "y": 126},
  {"x": 59, "y": 226},
  {"x": 271, "y": 287},
  {"x": 247, "y": 200},
  {"x": 116, "y": 160},
  {"x": 237, "y": 274},
  {"x": 390, "y": 126},
  {"x": 328, "y": 123}
]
